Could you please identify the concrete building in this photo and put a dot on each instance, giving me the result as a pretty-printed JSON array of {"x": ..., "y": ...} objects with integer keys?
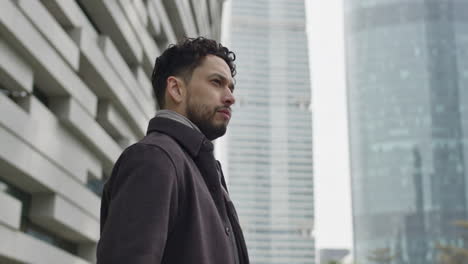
[
  {"x": 407, "y": 76},
  {"x": 269, "y": 140},
  {"x": 75, "y": 90}
]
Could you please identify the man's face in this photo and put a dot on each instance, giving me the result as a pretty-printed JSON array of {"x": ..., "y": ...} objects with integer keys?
[{"x": 209, "y": 97}]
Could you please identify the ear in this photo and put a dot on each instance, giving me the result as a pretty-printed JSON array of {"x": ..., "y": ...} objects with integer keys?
[{"x": 176, "y": 89}]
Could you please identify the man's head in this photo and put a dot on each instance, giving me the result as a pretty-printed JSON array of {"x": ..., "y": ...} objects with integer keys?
[{"x": 195, "y": 79}]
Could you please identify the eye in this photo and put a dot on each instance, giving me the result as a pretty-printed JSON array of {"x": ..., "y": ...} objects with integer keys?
[{"x": 217, "y": 82}]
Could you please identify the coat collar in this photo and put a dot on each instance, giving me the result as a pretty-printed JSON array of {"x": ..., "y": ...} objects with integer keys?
[{"x": 190, "y": 139}]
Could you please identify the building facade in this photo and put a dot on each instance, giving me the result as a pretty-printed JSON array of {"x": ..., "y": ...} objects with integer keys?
[
  {"x": 332, "y": 255},
  {"x": 407, "y": 72},
  {"x": 269, "y": 140},
  {"x": 75, "y": 90}
]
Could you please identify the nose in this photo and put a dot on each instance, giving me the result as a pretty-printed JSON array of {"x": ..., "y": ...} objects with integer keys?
[{"x": 229, "y": 98}]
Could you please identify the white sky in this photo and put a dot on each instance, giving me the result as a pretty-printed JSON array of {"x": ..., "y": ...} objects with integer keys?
[
  {"x": 331, "y": 176},
  {"x": 333, "y": 227}
]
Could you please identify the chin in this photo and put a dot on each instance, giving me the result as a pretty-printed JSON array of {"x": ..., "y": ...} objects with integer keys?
[{"x": 215, "y": 132}]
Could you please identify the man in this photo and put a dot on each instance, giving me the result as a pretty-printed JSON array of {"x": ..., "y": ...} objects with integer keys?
[{"x": 166, "y": 200}]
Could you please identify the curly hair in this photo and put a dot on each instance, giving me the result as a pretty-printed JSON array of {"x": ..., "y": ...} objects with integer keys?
[{"x": 182, "y": 58}]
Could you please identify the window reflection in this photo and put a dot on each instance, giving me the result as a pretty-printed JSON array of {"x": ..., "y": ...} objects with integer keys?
[{"x": 406, "y": 72}]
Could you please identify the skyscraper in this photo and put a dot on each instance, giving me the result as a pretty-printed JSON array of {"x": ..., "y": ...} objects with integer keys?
[
  {"x": 327, "y": 255},
  {"x": 407, "y": 65},
  {"x": 270, "y": 139}
]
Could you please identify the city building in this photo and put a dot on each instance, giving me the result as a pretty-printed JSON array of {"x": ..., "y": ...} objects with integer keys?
[
  {"x": 75, "y": 90},
  {"x": 407, "y": 72},
  {"x": 348, "y": 259},
  {"x": 332, "y": 255},
  {"x": 269, "y": 141}
]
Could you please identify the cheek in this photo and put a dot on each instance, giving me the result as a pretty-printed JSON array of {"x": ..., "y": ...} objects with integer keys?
[
  {"x": 200, "y": 107},
  {"x": 205, "y": 100}
]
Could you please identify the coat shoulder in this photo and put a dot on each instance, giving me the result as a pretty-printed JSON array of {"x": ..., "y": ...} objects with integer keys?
[
  {"x": 166, "y": 143},
  {"x": 162, "y": 141}
]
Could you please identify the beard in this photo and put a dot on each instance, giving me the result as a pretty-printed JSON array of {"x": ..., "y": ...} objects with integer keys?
[{"x": 203, "y": 116}]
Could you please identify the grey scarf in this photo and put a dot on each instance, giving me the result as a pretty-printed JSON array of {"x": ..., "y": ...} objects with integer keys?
[{"x": 177, "y": 117}]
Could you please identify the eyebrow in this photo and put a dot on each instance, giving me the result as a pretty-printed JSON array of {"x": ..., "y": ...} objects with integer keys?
[{"x": 224, "y": 79}]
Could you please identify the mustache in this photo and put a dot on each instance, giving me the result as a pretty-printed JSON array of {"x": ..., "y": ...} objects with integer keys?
[{"x": 219, "y": 108}]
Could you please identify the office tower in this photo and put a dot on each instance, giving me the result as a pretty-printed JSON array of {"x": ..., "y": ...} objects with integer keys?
[
  {"x": 335, "y": 255},
  {"x": 270, "y": 140},
  {"x": 407, "y": 71},
  {"x": 75, "y": 90}
]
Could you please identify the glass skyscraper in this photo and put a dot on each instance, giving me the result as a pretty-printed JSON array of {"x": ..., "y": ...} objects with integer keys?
[
  {"x": 270, "y": 138},
  {"x": 407, "y": 65}
]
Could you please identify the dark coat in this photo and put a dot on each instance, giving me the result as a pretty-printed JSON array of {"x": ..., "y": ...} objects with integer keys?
[{"x": 165, "y": 203}]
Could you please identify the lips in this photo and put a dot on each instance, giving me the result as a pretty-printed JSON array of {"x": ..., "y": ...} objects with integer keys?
[{"x": 225, "y": 112}]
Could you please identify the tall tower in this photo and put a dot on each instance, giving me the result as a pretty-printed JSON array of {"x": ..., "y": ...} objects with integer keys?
[
  {"x": 270, "y": 137},
  {"x": 407, "y": 75}
]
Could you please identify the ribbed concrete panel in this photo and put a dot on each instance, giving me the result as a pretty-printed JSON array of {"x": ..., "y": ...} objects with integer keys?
[
  {"x": 87, "y": 251},
  {"x": 144, "y": 81},
  {"x": 51, "y": 30},
  {"x": 109, "y": 118},
  {"x": 10, "y": 214},
  {"x": 140, "y": 7},
  {"x": 167, "y": 27},
  {"x": 69, "y": 15},
  {"x": 17, "y": 246},
  {"x": 215, "y": 16},
  {"x": 110, "y": 18},
  {"x": 154, "y": 24},
  {"x": 51, "y": 72},
  {"x": 140, "y": 94},
  {"x": 23, "y": 172},
  {"x": 188, "y": 18},
  {"x": 88, "y": 131},
  {"x": 180, "y": 16},
  {"x": 202, "y": 16},
  {"x": 30, "y": 171},
  {"x": 150, "y": 49},
  {"x": 42, "y": 131},
  {"x": 98, "y": 74},
  {"x": 14, "y": 71},
  {"x": 75, "y": 90},
  {"x": 64, "y": 218}
]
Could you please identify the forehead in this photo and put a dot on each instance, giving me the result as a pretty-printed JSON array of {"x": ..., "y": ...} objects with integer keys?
[{"x": 214, "y": 64}]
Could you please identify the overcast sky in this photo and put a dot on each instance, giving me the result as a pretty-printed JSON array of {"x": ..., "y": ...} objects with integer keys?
[{"x": 331, "y": 159}]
